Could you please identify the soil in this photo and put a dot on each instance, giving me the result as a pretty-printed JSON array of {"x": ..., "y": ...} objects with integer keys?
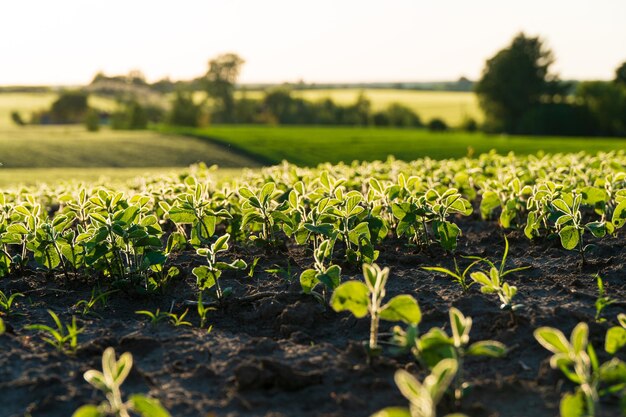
[{"x": 273, "y": 351}]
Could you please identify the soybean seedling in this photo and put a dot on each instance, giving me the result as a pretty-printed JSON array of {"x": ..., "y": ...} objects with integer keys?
[
  {"x": 577, "y": 359},
  {"x": 63, "y": 338},
  {"x": 423, "y": 397},
  {"x": 436, "y": 345},
  {"x": 208, "y": 275},
  {"x": 366, "y": 298},
  {"x": 493, "y": 283},
  {"x": 109, "y": 381}
]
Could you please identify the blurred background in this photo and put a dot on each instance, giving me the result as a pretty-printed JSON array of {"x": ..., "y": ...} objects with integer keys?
[{"x": 120, "y": 89}]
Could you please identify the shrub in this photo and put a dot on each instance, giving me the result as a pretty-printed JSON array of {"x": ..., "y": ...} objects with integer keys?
[
  {"x": 17, "y": 118},
  {"x": 92, "y": 121},
  {"x": 437, "y": 125}
]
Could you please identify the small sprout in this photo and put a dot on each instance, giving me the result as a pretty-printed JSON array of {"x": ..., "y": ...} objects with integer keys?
[
  {"x": 457, "y": 275},
  {"x": 179, "y": 320},
  {"x": 109, "y": 381},
  {"x": 6, "y": 302},
  {"x": 156, "y": 317},
  {"x": 63, "y": 338},
  {"x": 493, "y": 283},
  {"x": 97, "y": 296},
  {"x": 203, "y": 311},
  {"x": 602, "y": 301}
]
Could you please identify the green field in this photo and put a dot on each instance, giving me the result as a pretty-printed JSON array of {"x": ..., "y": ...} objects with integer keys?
[
  {"x": 74, "y": 147},
  {"x": 313, "y": 145}
]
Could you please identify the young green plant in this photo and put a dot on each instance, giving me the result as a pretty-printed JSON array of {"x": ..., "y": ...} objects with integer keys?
[
  {"x": 366, "y": 298},
  {"x": 63, "y": 338},
  {"x": 109, "y": 381},
  {"x": 423, "y": 397}
]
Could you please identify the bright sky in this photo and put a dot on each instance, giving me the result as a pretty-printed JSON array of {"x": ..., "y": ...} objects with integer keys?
[{"x": 68, "y": 41}]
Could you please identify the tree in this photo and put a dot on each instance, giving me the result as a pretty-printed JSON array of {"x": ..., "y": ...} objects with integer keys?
[
  {"x": 184, "y": 111},
  {"x": 514, "y": 81},
  {"x": 620, "y": 74},
  {"x": 220, "y": 82},
  {"x": 70, "y": 107},
  {"x": 606, "y": 102}
]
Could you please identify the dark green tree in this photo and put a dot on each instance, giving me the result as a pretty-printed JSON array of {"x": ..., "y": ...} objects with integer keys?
[
  {"x": 220, "y": 82},
  {"x": 515, "y": 80},
  {"x": 620, "y": 74},
  {"x": 70, "y": 107},
  {"x": 184, "y": 112}
]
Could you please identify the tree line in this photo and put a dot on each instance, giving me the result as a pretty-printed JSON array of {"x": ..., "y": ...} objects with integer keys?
[{"x": 520, "y": 95}]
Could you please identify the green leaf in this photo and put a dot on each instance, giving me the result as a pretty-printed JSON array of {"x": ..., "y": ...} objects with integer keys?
[
  {"x": 402, "y": 308},
  {"x": 569, "y": 237},
  {"x": 481, "y": 278},
  {"x": 331, "y": 278},
  {"x": 393, "y": 412},
  {"x": 447, "y": 234},
  {"x": 573, "y": 405},
  {"x": 490, "y": 348},
  {"x": 182, "y": 216},
  {"x": 615, "y": 339},
  {"x": 440, "y": 378},
  {"x": 598, "y": 229},
  {"x": 489, "y": 203},
  {"x": 205, "y": 277},
  {"x": 148, "y": 407},
  {"x": 552, "y": 339},
  {"x": 352, "y": 296},
  {"x": 619, "y": 215},
  {"x": 308, "y": 280},
  {"x": 579, "y": 337},
  {"x": 87, "y": 411},
  {"x": 221, "y": 243}
]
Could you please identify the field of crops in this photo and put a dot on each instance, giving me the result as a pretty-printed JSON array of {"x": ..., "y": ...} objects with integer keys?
[{"x": 448, "y": 286}]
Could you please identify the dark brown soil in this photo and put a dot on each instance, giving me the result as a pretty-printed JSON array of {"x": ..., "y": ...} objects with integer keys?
[{"x": 275, "y": 352}]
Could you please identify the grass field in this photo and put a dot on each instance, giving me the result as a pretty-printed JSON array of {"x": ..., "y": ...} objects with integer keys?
[
  {"x": 453, "y": 107},
  {"x": 313, "y": 145},
  {"x": 74, "y": 147},
  {"x": 26, "y": 103}
]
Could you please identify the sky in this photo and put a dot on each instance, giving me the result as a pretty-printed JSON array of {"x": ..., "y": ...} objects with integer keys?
[{"x": 65, "y": 42}]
